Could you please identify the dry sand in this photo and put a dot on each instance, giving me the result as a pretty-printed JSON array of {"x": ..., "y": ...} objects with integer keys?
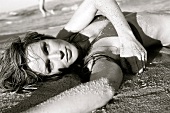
[{"x": 148, "y": 92}]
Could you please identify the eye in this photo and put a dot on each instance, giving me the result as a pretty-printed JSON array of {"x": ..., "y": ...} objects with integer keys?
[
  {"x": 45, "y": 48},
  {"x": 48, "y": 66}
]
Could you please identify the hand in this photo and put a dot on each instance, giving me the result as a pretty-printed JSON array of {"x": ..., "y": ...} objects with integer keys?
[{"x": 133, "y": 56}]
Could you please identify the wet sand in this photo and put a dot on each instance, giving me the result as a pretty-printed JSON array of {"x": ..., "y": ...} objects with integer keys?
[{"x": 147, "y": 92}]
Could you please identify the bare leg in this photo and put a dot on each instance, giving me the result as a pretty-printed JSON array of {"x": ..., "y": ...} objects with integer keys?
[
  {"x": 154, "y": 28},
  {"x": 156, "y": 25},
  {"x": 43, "y": 9}
]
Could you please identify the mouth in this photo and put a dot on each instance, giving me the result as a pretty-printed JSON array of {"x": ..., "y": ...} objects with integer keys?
[{"x": 68, "y": 54}]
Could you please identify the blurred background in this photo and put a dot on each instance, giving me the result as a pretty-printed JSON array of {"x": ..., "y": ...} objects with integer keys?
[
  {"x": 19, "y": 16},
  {"x": 12, "y": 5}
]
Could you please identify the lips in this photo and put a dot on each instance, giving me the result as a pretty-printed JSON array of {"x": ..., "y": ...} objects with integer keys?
[{"x": 68, "y": 54}]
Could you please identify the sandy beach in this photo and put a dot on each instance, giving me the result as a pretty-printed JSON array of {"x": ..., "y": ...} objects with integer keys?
[{"x": 145, "y": 93}]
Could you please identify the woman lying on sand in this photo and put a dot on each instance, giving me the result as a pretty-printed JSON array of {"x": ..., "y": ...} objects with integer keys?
[{"x": 89, "y": 46}]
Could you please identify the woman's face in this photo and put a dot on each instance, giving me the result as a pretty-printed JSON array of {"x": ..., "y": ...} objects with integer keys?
[{"x": 50, "y": 55}]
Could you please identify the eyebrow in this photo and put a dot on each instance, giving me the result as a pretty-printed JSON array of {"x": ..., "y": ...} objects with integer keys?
[
  {"x": 42, "y": 47},
  {"x": 48, "y": 66}
]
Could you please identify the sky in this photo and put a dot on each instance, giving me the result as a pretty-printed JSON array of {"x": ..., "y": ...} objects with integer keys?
[{"x": 12, "y": 5}]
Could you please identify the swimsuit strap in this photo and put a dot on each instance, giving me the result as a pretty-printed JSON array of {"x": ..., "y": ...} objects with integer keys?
[{"x": 97, "y": 56}]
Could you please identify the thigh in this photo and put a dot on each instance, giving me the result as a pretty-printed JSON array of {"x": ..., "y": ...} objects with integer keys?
[{"x": 154, "y": 28}]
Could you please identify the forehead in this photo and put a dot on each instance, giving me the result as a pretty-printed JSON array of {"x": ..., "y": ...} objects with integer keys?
[{"x": 35, "y": 57}]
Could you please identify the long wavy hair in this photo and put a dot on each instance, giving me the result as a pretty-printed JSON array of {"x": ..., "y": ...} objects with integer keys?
[{"x": 14, "y": 72}]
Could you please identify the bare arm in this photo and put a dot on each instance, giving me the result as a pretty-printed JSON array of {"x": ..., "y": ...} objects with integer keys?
[
  {"x": 130, "y": 47},
  {"x": 88, "y": 9},
  {"x": 86, "y": 97},
  {"x": 81, "y": 99}
]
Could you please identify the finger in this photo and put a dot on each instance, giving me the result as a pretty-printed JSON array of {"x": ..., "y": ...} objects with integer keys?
[
  {"x": 141, "y": 63},
  {"x": 141, "y": 66},
  {"x": 141, "y": 70},
  {"x": 143, "y": 59},
  {"x": 146, "y": 57}
]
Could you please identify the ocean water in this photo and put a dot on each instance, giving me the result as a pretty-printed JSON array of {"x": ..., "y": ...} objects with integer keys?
[
  {"x": 30, "y": 19},
  {"x": 11, "y": 5}
]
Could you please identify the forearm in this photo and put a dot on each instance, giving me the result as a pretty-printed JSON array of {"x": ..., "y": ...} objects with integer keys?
[
  {"x": 81, "y": 99},
  {"x": 82, "y": 16},
  {"x": 87, "y": 10},
  {"x": 113, "y": 12}
]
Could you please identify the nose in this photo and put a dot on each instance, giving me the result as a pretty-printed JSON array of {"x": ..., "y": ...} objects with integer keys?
[{"x": 59, "y": 55}]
